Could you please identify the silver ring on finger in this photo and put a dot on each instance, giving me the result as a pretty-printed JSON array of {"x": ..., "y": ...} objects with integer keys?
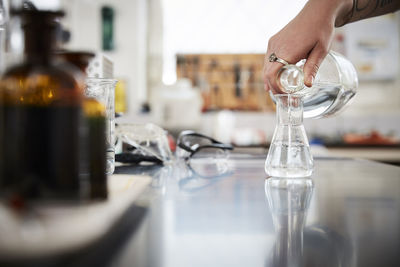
[{"x": 274, "y": 58}]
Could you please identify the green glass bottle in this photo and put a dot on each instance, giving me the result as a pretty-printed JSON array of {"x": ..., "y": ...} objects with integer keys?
[{"x": 107, "y": 14}]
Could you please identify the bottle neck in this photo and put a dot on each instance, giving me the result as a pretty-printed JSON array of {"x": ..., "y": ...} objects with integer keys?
[
  {"x": 289, "y": 109},
  {"x": 290, "y": 78},
  {"x": 40, "y": 42}
]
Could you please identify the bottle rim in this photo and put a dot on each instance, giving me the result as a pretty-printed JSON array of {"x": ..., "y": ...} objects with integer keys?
[{"x": 100, "y": 80}]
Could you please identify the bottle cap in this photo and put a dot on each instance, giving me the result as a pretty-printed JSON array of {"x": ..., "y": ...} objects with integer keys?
[{"x": 37, "y": 16}]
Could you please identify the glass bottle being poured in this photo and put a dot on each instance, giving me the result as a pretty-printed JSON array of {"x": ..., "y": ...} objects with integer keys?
[
  {"x": 334, "y": 85},
  {"x": 289, "y": 154},
  {"x": 40, "y": 108}
]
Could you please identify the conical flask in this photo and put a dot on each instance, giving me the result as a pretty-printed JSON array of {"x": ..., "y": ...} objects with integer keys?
[{"x": 289, "y": 154}]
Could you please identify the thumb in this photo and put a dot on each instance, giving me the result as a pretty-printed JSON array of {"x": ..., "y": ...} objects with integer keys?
[{"x": 313, "y": 62}]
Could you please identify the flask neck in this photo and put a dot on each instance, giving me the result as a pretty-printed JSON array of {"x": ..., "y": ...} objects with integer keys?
[{"x": 289, "y": 109}]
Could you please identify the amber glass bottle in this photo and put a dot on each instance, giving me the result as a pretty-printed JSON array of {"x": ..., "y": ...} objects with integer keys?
[
  {"x": 94, "y": 154},
  {"x": 40, "y": 107},
  {"x": 95, "y": 117}
]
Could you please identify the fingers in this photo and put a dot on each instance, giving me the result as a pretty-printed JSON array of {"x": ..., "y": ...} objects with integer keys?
[
  {"x": 270, "y": 71},
  {"x": 314, "y": 60},
  {"x": 313, "y": 63},
  {"x": 282, "y": 49}
]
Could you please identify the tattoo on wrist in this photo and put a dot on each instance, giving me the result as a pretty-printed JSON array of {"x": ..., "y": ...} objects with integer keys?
[
  {"x": 369, "y": 8},
  {"x": 386, "y": 2}
]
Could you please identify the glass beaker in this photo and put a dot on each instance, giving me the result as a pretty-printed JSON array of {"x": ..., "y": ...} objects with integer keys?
[
  {"x": 289, "y": 154},
  {"x": 334, "y": 86},
  {"x": 103, "y": 90}
]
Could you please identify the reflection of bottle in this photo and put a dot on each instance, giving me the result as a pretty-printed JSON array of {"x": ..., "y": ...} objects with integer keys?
[
  {"x": 41, "y": 106},
  {"x": 334, "y": 86},
  {"x": 288, "y": 201}
]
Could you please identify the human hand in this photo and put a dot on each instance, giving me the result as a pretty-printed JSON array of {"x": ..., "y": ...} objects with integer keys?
[{"x": 307, "y": 36}]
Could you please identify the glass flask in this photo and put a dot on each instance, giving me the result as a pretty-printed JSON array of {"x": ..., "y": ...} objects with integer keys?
[
  {"x": 334, "y": 85},
  {"x": 289, "y": 154}
]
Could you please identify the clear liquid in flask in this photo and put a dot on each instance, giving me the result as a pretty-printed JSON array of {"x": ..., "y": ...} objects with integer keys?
[
  {"x": 289, "y": 160},
  {"x": 289, "y": 154}
]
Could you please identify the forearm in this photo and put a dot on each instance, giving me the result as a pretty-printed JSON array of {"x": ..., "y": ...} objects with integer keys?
[
  {"x": 337, "y": 12},
  {"x": 362, "y": 9}
]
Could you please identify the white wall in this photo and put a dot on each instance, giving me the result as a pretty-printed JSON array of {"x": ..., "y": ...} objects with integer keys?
[
  {"x": 130, "y": 35},
  {"x": 148, "y": 37},
  {"x": 236, "y": 26},
  {"x": 46, "y": 5},
  {"x": 223, "y": 26},
  {"x": 379, "y": 91}
]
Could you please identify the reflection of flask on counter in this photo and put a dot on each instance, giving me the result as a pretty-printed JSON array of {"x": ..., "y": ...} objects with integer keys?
[
  {"x": 40, "y": 108},
  {"x": 288, "y": 201}
]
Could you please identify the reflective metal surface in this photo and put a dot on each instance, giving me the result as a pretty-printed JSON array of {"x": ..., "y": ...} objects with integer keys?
[{"x": 347, "y": 214}]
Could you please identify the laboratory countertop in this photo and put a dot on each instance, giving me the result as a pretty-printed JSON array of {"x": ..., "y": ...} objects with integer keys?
[{"x": 346, "y": 214}]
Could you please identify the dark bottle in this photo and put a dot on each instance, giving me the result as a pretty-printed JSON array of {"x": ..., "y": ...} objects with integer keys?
[
  {"x": 79, "y": 59},
  {"x": 95, "y": 117},
  {"x": 94, "y": 154},
  {"x": 40, "y": 109}
]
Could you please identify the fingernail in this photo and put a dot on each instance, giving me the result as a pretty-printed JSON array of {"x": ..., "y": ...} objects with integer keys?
[{"x": 310, "y": 80}]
